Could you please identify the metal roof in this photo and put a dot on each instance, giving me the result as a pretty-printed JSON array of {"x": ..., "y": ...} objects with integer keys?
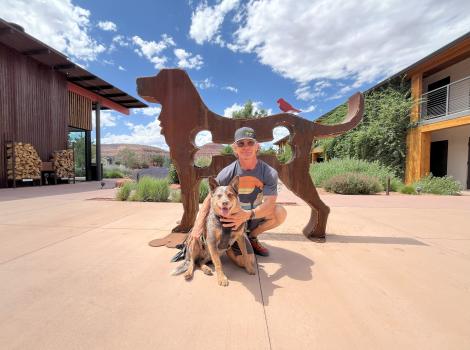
[{"x": 13, "y": 36}]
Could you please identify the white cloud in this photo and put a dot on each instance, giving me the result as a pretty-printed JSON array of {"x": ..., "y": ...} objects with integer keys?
[
  {"x": 304, "y": 93},
  {"x": 122, "y": 68},
  {"x": 121, "y": 40},
  {"x": 206, "y": 21},
  {"x": 309, "y": 109},
  {"x": 279, "y": 132},
  {"x": 230, "y": 88},
  {"x": 107, "y": 26},
  {"x": 58, "y": 23},
  {"x": 107, "y": 118},
  {"x": 142, "y": 134},
  {"x": 205, "y": 84},
  {"x": 149, "y": 111},
  {"x": 203, "y": 137},
  {"x": 186, "y": 61},
  {"x": 306, "y": 40},
  {"x": 152, "y": 49}
]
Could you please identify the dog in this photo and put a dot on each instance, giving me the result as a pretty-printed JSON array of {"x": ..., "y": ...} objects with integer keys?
[
  {"x": 217, "y": 239},
  {"x": 184, "y": 114}
]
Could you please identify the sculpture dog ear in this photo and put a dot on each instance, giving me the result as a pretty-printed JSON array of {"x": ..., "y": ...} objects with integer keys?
[
  {"x": 235, "y": 183},
  {"x": 213, "y": 184}
]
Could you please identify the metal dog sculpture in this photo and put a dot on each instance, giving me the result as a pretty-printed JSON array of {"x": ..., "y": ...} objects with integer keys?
[{"x": 184, "y": 114}]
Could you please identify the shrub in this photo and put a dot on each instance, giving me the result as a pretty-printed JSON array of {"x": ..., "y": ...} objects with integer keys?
[
  {"x": 152, "y": 190},
  {"x": 124, "y": 192},
  {"x": 227, "y": 150},
  {"x": 203, "y": 162},
  {"x": 285, "y": 155},
  {"x": 267, "y": 151},
  {"x": 353, "y": 183},
  {"x": 321, "y": 172},
  {"x": 203, "y": 190},
  {"x": 173, "y": 175},
  {"x": 408, "y": 189},
  {"x": 112, "y": 174},
  {"x": 446, "y": 185},
  {"x": 175, "y": 195}
]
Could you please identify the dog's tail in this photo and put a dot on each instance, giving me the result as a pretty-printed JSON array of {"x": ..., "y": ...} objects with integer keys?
[{"x": 181, "y": 268}]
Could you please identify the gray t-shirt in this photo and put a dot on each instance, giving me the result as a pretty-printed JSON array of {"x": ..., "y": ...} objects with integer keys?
[{"x": 262, "y": 180}]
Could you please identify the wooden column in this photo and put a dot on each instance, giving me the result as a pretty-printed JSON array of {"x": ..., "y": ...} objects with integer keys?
[
  {"x": 413, "y": 140},
  {"x": 98, "y": 142}
]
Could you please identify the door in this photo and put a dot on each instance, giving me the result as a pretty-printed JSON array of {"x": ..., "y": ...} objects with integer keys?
[{"x": 439, "y": 158}]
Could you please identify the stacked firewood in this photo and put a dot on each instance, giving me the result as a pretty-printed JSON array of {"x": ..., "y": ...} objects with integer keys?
[
  {"x": 26, "y": 162},
  {"x": 63, "y": 163}
]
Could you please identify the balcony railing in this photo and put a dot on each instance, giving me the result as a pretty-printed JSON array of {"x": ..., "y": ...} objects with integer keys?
[{"x": 447, "y": 100}]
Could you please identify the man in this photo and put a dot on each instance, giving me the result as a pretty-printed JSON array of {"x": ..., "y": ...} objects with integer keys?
[{"x": 257, "y": 194}]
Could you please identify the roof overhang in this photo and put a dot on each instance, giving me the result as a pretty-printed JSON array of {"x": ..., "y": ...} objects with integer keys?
[{"x": 110, "y": 97}]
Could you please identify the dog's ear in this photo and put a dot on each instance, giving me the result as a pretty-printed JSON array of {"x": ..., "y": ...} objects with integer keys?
[
  {"x": 234, "y": 183},
  {"x": 213, "y": 184}
]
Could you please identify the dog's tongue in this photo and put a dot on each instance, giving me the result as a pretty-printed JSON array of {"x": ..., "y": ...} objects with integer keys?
[{"x": 225, "y": 211}]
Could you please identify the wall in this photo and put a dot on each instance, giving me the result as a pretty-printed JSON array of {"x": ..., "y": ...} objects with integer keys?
[{"x": 33, "y": 106}]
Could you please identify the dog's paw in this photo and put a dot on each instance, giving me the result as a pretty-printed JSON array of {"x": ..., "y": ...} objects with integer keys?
[
  {"x": 188, "y": 276},
  {"x": 223, "y": 281},
  {"x": 250, "y": 270},
  {"x": 206, "y": 270}
]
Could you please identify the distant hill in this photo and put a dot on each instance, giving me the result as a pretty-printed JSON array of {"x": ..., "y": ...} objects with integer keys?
[{"x": 142, "y": 151}]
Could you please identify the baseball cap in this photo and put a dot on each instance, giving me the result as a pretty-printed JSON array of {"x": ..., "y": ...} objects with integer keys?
[{"x": 245, "y": 133}]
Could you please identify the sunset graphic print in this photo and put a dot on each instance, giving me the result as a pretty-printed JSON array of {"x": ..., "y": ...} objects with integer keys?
[{"x": 250, "y": 192}]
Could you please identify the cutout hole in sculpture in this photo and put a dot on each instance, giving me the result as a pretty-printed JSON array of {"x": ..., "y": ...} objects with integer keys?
[
  {"x": 281, "y": 143},
  {"x": 203, "y": 157}
]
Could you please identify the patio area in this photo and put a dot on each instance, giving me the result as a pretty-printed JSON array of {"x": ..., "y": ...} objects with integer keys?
[{"x": 76, "y": 272}]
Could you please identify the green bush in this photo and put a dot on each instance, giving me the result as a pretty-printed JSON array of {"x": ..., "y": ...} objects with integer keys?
[
  {"x": 124, "y": 192},
  {"x": 321, "y": 172},
  {"x": 285, "y": 155},
  {"x": 112, "y": 174},
  {"x": 227, "y": 150},
  {"x": 446, "y": 185},
  {"x": 203, "y": 190},
  {"x": 203, "y": 162},
  {"x": 173, "y": 175},
  {"x": 152, "y": 190},
  {"x": 267, "y": 151},
  {"x": 175, "y": 195},
  {"x": 353, "y": 183},
  {"x": 408, "y": 189},
  {"x": 381, "y": 136}
]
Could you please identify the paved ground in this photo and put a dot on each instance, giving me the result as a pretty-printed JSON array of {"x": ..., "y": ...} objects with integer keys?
[{"x": 77, "y": 273}]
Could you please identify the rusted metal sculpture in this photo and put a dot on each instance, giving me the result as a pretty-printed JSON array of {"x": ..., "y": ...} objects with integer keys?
[{"x": 184, "y": 114}]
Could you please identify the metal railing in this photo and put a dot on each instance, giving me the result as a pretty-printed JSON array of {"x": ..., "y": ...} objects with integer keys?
[{"x": 447, "y": 100}]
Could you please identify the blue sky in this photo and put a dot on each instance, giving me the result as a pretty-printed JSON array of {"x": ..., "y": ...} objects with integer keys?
[{"x": 312, "y": 53}]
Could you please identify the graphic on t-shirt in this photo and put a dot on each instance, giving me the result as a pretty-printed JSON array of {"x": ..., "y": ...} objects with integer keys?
[{"x": 250, "y": 192}]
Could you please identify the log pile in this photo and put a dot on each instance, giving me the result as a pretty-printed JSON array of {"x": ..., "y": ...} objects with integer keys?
[
  {"x": 63, "y": 163},
  {"x": 26, "y": 161}
]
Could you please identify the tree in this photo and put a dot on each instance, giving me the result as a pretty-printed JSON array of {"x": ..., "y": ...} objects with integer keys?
[
  {"x": 248, "y": 112},
  {"x": 128, "y": 157}
]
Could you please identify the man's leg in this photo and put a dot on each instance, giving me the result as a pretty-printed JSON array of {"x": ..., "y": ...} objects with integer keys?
[{"x": 276, "y": 218}]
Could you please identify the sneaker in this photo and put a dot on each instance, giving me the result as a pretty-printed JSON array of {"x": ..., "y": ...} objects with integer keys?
[{"x": 258, "y": 247}]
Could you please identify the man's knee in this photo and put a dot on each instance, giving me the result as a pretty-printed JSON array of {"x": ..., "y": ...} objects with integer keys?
[{"x": 280, "y": 213}]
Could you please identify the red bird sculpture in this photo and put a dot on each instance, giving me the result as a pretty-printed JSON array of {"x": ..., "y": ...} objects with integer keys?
[{"x": 286, "y": 107}]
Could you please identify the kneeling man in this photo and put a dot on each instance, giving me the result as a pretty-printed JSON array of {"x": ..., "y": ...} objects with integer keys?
[{"x": 257, "y": 194}]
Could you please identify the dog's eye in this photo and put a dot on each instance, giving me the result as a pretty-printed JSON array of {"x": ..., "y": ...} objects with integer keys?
[
  {"x": 229, "y": 195},
  {"x": 219, "y": 196}
]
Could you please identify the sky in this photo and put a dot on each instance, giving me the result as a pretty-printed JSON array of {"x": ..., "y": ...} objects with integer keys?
[{"x": 313, "y": 53}]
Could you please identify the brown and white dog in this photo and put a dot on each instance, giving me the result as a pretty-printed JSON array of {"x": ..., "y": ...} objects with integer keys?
[{"x": 217, "y": 239}]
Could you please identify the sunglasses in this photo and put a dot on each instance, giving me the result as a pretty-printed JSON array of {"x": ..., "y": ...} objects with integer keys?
[{"x": 250, "y": 143}]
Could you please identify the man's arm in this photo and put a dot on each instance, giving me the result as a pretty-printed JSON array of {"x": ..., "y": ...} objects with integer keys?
[
  {"x": 198, "y": 227},
  {"x": 260, "y": 211}
]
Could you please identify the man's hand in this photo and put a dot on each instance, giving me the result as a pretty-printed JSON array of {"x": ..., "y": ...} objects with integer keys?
[
  {"x": 236, "y": 219},
  {"x": 197, "y": 231}
]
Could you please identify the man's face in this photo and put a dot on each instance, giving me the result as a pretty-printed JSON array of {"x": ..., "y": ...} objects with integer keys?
[{"x": 245, "y": 149}]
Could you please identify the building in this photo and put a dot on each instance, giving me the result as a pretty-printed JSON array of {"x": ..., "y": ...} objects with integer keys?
[
  {"x": 439, "y": 141},
  {"x": 45, "y": 99}
]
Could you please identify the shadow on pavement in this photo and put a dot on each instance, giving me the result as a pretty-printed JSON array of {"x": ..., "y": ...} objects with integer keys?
[{"x": 333, "y": 238}]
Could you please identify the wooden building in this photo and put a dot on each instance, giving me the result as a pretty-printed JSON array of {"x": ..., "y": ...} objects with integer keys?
[{"x": 44, "y": 97}]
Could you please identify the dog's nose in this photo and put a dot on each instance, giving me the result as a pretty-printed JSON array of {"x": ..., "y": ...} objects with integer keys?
[{"x": 225, "y": 203}]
